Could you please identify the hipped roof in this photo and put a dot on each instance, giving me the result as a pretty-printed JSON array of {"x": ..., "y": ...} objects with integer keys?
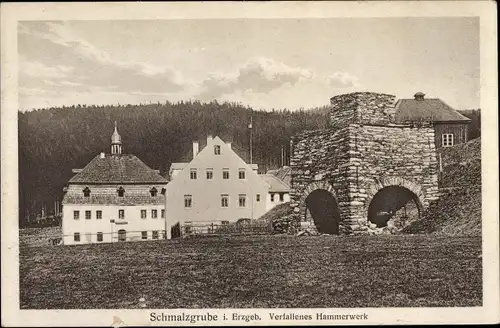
[{"x": 117, "y": 169}]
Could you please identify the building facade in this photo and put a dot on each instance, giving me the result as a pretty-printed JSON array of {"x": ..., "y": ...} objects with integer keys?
[
  {"x": 115, "y": 197},
  {"x": 450, "y": 127},
  {"x": 216, "y": 186}
]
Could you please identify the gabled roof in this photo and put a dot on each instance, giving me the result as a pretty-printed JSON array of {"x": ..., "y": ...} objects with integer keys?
[
  {"x": 117, "y": 169},
  {"x": 285, "y": 174},
  {"x": 275, "y": 184},
  {"x": 432, "y": 109}
]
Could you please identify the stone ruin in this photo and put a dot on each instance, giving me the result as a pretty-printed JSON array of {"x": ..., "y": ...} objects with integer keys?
[{"x": 364, "y": 174}]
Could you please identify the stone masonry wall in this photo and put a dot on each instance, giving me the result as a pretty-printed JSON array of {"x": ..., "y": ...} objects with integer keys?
[
  {"x": 362, "y": 152},
  {"x": 320, "y": 155},
  {"x": 394, "y": 155},
  {"x": 363, "y": 108}
]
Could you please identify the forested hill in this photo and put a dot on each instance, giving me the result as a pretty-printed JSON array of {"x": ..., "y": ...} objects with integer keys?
[{"x": 54, "y": 141}]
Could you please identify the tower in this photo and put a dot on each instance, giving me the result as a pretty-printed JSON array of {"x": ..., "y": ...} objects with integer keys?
[{"x": 116, "y": 142}]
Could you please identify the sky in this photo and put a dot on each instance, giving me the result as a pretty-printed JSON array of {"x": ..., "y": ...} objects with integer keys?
[{"x": 263, "y": 63}]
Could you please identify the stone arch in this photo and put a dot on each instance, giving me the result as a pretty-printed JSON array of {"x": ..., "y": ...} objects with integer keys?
[
  {"x": 316, "y": 185},
  {"x": 319, "y": 206},
  {"x": 396, "y": 189},
  {"x": 396, "y": 181}
]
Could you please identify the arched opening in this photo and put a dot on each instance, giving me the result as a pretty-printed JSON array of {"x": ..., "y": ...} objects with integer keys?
[
  {"x": 122, "y": 235},
  {"x": 323, "y": 208},
  {"x": 394, "y": 206}
]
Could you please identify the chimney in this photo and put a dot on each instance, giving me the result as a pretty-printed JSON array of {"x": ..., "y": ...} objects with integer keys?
[
  {"x": 103, "y": 155},
  {"x": 196, "y": 148},
  {"x": 419, "y": 96},
  {"x": 209, "y": 139},
  {"x": 228, "y": 144}
]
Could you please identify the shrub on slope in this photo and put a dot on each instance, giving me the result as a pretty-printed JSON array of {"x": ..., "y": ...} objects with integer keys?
[{"x": 278, "y": 218}]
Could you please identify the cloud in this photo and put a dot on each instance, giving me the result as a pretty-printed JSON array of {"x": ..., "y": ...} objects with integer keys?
[
  {"x": 40, "y": 70},
  {"x": 343, "y": 80},
  {"x": 258, "y": 75},
  {"x": 51, "y": 47}
]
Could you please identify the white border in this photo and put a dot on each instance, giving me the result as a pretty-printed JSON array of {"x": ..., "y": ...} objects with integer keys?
[{"x": 12, "y": 12}]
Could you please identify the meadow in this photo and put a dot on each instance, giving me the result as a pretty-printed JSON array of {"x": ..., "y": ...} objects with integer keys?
[{"x": 264, "y": 271}]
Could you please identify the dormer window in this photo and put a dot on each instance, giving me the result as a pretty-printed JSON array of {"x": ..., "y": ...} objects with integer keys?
[
  {"x": 153, "y": 192},
  {"x": 86, "y": 192},
  {"x": 163, "y": 191},
  {"x": 120, "y": 191},
  {"x": 217, "y": 149}
]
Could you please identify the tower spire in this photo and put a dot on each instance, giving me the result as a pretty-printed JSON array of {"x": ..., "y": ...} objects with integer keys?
[{"x": 116, "y": 142}]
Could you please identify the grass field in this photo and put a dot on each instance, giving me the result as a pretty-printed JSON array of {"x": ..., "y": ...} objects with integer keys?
[{"x": 256, "y": 271}]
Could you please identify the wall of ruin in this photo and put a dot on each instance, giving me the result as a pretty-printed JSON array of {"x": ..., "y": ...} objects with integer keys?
[
  {"x": 384, "y": 156},
  {"x": 362, "y": 108},
  {"x": 362, "y": 152},
  {"x": 319, "y": 156}
]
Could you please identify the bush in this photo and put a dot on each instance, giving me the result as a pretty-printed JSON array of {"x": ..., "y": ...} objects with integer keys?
[{"x": 289, "y": 224}]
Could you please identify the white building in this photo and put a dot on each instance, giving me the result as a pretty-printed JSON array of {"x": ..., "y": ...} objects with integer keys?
[
  {"x": 115, "y": 197},
  {"x": 279, "y": 191},
  {"x": 216, "y": 186}
]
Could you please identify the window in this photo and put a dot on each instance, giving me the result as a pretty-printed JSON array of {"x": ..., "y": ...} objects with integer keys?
[
  {"x": 76, "y": 236},
  {"x": 120, "y": 191},
  {"x": 155, "y": 234},
  {"x": 144, "y": 235},
  {"x": 224, "y": 200},
  {"x": 153, "y": 192},
  {"x": 225, "y": 174},
  {"x": 143, "y": 214},
  {"x": 99, "y": 236},
  {"x": 98, "y": 215},
  {"x": 162, "y": 214},
  {"x": 257, "y": 197},
  {"x": 122, "y": 235},
  {"x": 164, "y": 234},
  {"x": 86, "y": 192},
  {"x": 193, "y": 174},
  {"x": 241, "y": 174},
  {"x": 154, "y": 214},
  {"x": 188, "y": 201},
  {"x": 217, "y": 150},
  {"x": 121, "y": 214},
  {"x": 76, "y": 215},
  {"x": 224, "y": 222},
  {"x": 242, "y": 200},
  {"x": 272, "y": 197},
  {"x": 88, "y": 215},
  {"x": 282, "y": 197},
  {"x": 88, "y": 237},
  {"x": 447, "y": 140},
  {"x": 210, "y": 174}
]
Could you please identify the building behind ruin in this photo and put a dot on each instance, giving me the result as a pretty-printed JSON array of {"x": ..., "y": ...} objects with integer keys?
[
  {"x": 366, "y": 167},
  {"x": 450, "y": 127}
]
